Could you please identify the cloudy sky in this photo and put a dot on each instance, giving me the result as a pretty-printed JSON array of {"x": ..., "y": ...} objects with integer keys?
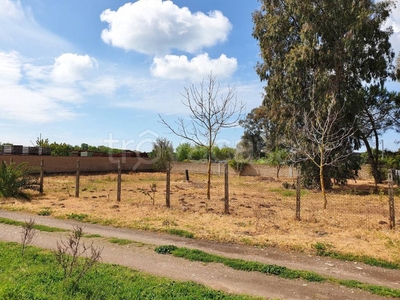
[{"x": 100, "y": 72}]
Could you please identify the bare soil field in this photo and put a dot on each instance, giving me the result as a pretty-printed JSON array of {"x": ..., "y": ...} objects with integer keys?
[{"x": 262, "y": 213}]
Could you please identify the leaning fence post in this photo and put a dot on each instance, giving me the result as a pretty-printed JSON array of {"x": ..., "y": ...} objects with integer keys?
[
  {"x": 298, "y": 196},
  {"x": 78, "y": 164},
  {"x": 119, "y": 182},
  {"x": 226, "y": 199},
  {"x": 41, "y": 176},
  {"x": 168, "y": 187},
  {"x": 392, "y": 220}
]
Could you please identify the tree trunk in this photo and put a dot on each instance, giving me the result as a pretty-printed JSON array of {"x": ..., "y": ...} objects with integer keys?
[
  {"x": 322, "y": 178},
  {"x": 374, "y": 161},
  {"x": 209, "y": 177}
]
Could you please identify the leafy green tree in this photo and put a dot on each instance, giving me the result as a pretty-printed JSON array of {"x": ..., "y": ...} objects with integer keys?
[
  {"x": 61, "y": 149},
  {"x": 198, "y": 153},
  {"x": 162, "y": 154},
  {"x": 318, "y": 51},
  {"x": 227, "y": 153},
  {"x": 40, "y": 142},
  {"x": 277, "y": 159},
  {"x": 376, "y": 117},
  {"x": 182, "y": 151},
  {"x": 14, "y": 179}
]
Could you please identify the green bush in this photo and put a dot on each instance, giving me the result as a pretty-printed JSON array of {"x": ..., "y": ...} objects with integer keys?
[{"x": 14, "y": 179}]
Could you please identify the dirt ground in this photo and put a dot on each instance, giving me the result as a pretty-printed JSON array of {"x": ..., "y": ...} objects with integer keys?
[
  {"x": 262, "y": 213},
  {"x": 141, "y": 256}
]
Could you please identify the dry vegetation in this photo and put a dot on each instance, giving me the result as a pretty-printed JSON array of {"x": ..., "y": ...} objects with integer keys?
[{"x": 262, "y": 212}]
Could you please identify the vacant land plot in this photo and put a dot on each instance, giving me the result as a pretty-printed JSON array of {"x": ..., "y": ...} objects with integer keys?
[{"x": 262, "y": 212}]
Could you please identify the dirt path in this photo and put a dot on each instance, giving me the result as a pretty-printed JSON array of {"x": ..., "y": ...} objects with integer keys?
[{"x": 216, "y": 276}]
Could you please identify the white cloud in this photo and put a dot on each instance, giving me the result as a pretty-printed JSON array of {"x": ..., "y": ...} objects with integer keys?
[
  {"x": 156, "y": 27},
  {"x": 23, "y": 105},
  {"x": 20, "y": 32},
  {"x": 28, "y": 94},
  {"x": 10, "y": 68},
  {"x": 179, "y": 67},
  {"x": 70, "y": 67}
]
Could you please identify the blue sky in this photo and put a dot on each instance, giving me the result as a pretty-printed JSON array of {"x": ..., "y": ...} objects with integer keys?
[{"x": 100, "y": 71}]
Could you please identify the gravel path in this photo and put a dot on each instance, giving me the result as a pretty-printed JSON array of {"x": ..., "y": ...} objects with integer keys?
[{"x": 141, "y": 256}]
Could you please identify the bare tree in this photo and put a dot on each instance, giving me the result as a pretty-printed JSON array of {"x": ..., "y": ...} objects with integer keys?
[
  {"x": 322, "y": 140},
  {"x": 210, "y": 112}
]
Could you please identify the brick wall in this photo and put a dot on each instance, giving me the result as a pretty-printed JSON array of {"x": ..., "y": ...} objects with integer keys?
[{"x": 67, "y": 164}]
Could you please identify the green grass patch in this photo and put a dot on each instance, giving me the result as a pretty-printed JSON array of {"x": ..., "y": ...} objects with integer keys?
[
  {"x": 180, "y": 232},
  {"x": 36, "y": 275},
  {"x": 283, "y": 272},
  {"x": 36, "y": 226},
  {"x": 77, "y": 217},
  {"x": 120, "y": 241},
  {"x": 327, "y": 250},
  {"x": 250, "y": 266},
  {"x": 91, "y": 236}
]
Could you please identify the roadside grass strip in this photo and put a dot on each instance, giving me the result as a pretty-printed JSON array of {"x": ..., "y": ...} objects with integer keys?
[
  {"x": 36, "y": 226},
  {"x": 36, "y": 275},
  {"x": 326, "y": 250},
  {"x": 280, "y": 271}
]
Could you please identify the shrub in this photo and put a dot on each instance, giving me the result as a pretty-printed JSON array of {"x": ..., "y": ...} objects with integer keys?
[{"x": 16, "y": 178}]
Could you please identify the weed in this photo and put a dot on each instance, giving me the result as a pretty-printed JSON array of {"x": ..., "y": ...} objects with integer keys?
[
  {"x": 151, "y": 193},
  {"x": 45, "y": 212},
  {"x": 77, "y": 217},
  {"x": 168, "y": 249},
  {"x": 74, "y": 257},
  {"x": 180, "y": 232},
  {"x": 28, "y": 234}
]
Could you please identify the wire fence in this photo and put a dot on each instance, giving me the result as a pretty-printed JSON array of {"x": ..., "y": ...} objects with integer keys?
[{"x": 270, "y": 200}]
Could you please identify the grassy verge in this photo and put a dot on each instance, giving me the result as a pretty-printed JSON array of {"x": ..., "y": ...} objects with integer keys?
[
  {"x": 283, "y": 272},
  {"x": 36, "y": 275},
  {"x": 326, "y": 250},
  {"x": 36, "y": 226}
]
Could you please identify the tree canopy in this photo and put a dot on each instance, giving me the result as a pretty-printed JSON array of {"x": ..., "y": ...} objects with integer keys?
[{"x": 316, "y": 52}]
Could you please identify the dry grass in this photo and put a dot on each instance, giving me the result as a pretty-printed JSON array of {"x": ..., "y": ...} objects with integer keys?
[{"x": 262, "y": 212}]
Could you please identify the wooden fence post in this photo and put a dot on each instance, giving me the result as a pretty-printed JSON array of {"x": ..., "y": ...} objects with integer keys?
[
  {"x": 78, "y": 165},
  {"x": 119, "y": 182},
  {"x": 392, "y": 219},
  {"x": 168, "y": 187},
  {"x": 41, "y": 176},
  {"x": 226, "y": 199}
]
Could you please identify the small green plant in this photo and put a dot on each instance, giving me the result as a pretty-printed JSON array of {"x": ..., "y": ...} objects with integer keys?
[
  {"x": 77, "y": 217},
  {"x": 28, "y": 234},
  {"x": 167, "y": 249},
  {"x": 151, "y": 192}
]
